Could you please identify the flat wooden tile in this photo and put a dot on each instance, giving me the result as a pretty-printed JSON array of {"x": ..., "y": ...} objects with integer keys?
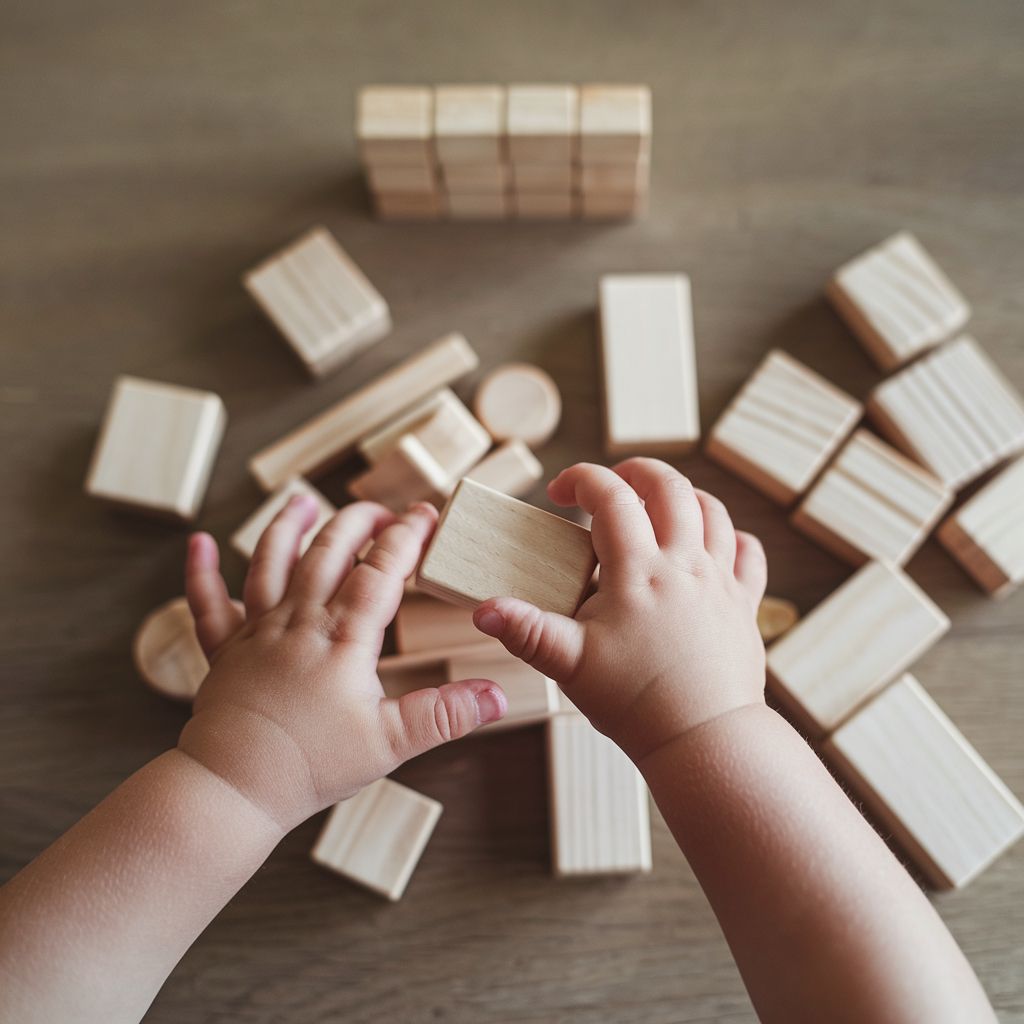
[
  {"x": 469, "y": 123},
  {"x": 395, "y": 124},
  {"x": 246, "y": 537},
  {"x": 615, "y": 123},
  {"x": 511, "y": 468},
  {"x": 543, "y": 123},
  {"x": 532, "y": 697},
  {"x": 167, "y": 654},
  {"x": 407, "y": 473}
]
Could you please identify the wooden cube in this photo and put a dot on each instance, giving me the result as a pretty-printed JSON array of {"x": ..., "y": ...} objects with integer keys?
[
  {"x": 156, "y": 447},
  {"x": 167, "y": 654},
  {"x": 631, "y": 177},
  {"x": 511, "y": 468},
  {"x": 545, "y": 179},
  {"x": 615, "y": 123},
  {"x": 469, "y": 123},
  {"x": 246, "y": 537},
  {"x": 545, "y": 205},
  {"x": 782, "y": 427},
  {"x": 532, "y": 697},
  {"x": 395, "y": 125},
  {"x": 543, "y": 123},
  {"x": 426, "y": 624},
  {"x": 519, "y": 400},
  {"x": 408, "y": 473},
  {"x": 477, "y": 178}
]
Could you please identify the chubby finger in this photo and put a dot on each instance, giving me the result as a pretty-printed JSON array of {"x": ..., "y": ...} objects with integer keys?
[
  {"x": 751, "y": 567},
  {"x": 551, "y": 643},
  {"x": 275, "y": 555},
  {"x": 669, "y": 500},
  {"x": 719, "y": 532},
  {"x": 216, "y": 616}
]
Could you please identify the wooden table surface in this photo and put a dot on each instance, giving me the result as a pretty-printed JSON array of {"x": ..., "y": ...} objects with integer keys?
[{"x": 152, "y": 152}]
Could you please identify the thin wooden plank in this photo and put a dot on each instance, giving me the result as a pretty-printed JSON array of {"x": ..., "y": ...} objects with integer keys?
[{"x": 246, "y": 537}]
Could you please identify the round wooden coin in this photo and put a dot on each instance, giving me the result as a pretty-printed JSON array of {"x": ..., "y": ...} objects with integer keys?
[
  {"x": 521, "y": 401},
  {"x": 775, "y": 616},
  {"x": 167, "y": 654}
]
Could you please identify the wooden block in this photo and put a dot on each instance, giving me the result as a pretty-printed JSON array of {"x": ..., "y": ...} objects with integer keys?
[
  {"x": 167, "y": 654},
  {"x": 600, "y": 818},
  {"x": 469, "y": 123},
  {"x": 406, "y": 474},
  {"x": 775, "y": 616},
  {"x": 532, "y": 697},
  {"x": 373, "y": 447},
  {"x": 425, "y": 624},
  {"x": 612, "y": 205},
  {"x": 511, "y": 468},
  {"x": 615, "y": 123},
  {"x": 545, "y": 179},
  {"x": 392, "y": 666},
  {"x": 325, "y": 440},
  {"x": 545, "y": 205},
  {"x": 519, "y": 400},
  {"x": 859, "y": 638},
  {"x": 952, "y": 411},
  {"x": 649, "y": 370},
  {"x": 926, "y": 784},
  {"x": 479, "y": 205},
  {"x": 490, "y": 545},
  {"x": 633, "y": 176},
  {"x": 395, "y": 124},
  {"x": 986, "y": 534},
  {"x": 487, "y": 178},
  {"x": 408, "y": 206},
  {"x": 156, "y": 447},
  {"x": 246, "y": 537},
  {"x": 782, "y": 427},
  {"x": 377, "y": 837},
  {"x": 408, "y": 179},
  {"x": 897, "y": 301},
  {"x": 872, "y": 503},
  {"x": 543, "y": 123}
]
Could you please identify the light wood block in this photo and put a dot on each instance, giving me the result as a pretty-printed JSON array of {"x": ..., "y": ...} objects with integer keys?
[
  {"x": 156, "y": 448},
  {"x": 511, "y": 468},
  {"x": 545, "y": 205},
  {"x": 519, "y": 400},
  {"x": 615, "y": 123},
  {"x": 926, "y": 784},
  {"x": 490, "y": 545},
  {"x": 543, "y": 123},
  {"x": 408, "y": 206},
  {"x": 952, "y": 411},
  {"x": 376, "y": 838},
  {"x": 897, "y": 301},
  {"x": 532, "y": 697},
  {"x": 545, "y": 179},
  {"x": 775, "y": 616},
  {"x": 325, "y": 440},
  {"x": 391, "y": 666},
  {"x": 479, "y": 205},
  {"x": 408, "y": 179},
  {"x": 633, "y": 176},
  {"x": 486, "y": 178},
  {"x": 859, "y": 638},
  {"x": 782, "y": 427},
  {"x": 469, "y": 123},
  {"x": 648, "y": 364},
  {"x": 986, "y": 534},
  {"x": 600, "y": 817},
  {"x": 406, "y": 474},
  {"x": 167, "y": 654},
  {"x": 425, "y": 624},
  {"x": 395, "y": 125},
  {"x": 872, "y": 503},
  {"x": 373, "y": 447},
  {"x": 612, "y": 205},
  {"x": 246, "y": 537}
]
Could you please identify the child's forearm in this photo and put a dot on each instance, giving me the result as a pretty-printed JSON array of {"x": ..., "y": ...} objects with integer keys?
[
  {"x": 823, "y": 921},
  {"x": 91, "y": 928}
]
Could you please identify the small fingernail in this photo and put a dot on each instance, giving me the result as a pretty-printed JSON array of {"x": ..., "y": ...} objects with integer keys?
[
  {"x": 420, "y": 506},
  {"x": 490, "y": 706},
  {"x": 490, "y": 622}
]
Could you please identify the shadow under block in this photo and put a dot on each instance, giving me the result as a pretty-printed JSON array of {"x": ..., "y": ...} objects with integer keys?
[
  {"x": 469, "y": 123},
  {"x": 923, "y": 781},
  {"x": 859, "y": 638},
  {"x": 600, "y": 817},
  {"x": 986, "y": 534},
  {"x": 872, "y": 503},
  {"x": 377, "y": 837},
  {"x": 426, "y": 624},
  {"x": 612, "y": 205},
  {"x": 532, "y": 697},
  {"x": 325, "y": 440},
  {"x": 648, "y": 364},
  {"x": 246, "y": 537},
  {"x": 156, "y": 447},
  {"x": 167, "y": 654},
  {"x": 615, "y": 123},
  {"x": 511, "y": 468},
  {"x": 408, "y": 473},
  {"x": 519, "y": 400},
  {"x": 952, "y": 411},
  {"x": 897, "y": 301},
  {"x": 488, "y": 544},
  {"x": 782, "y": 427},
  {"x": 395, "y": 125},
  {"x": 543, "y": 123}
]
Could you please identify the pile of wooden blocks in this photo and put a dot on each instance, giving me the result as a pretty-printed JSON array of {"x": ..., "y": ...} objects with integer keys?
[{"x": 493, "y": 151}]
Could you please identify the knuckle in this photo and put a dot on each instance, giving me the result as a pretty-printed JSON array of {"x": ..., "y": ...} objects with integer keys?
[
  {"x": 444, "y": 719},
  {"x": 529, "y": 636},
  {"x": 620, "y": 495}
]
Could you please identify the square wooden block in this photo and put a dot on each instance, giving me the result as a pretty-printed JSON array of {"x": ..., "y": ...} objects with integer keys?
[
  {"x": 632, "y": 177},
  {"x": 156, "y": 447},
  {"x": 615, "y": 123},
  {"x": 532, "y": 697},
  {"x": 782, "y": 427},
  {"x": 469, "y": 123},
  {"x": 479, "y": 205},
  {"x": 511, "y": 468},
  {"x": 478, "y": 178},
  {"x": 407, "y": 473},
  {"x": 246, "y": 537},
  {"x": 543, "y": 123},
  {"x": 395, "y": 125}
]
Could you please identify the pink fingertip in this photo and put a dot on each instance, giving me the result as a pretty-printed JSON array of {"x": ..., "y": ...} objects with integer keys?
[{"x": 491, "y": 704}]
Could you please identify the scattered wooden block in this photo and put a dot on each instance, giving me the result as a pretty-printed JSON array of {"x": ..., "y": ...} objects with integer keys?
[
  {"x": 156, "y": 447},
  {"x": 923, "y": 781},
  {"x": 479, "y": 205},
  {"x": 405, "y": 179},
  {"x": 775, "y": 616},
  {"x": 425, "y": 624},
  {"x": 469, "y": 123},
  {"x": 545, "y": 205},
  {"x": 782, "y": 427},
  {"x": 246, "y": 537},
  {"x": 377, "y": 837},
  {"x": 858, "y": 639},
  {"x": 519, "y": 400},
  {"x": 600, "y": 818},
  {"x": 393, "y": 665},
  {"x": 649, "y": 370},
  {"x": 897, "y": 301},
  {"x": 872, "y": 502},
  {"x": 511, "y": 468},
  {"x": 615, "y": 123},
  {"x": 408, "y": 206},
  {"x": 406, "y": 474},
  {"x": 395, "y": 124},
  {"x": 532, "y": 697},
  {"x": 952, "y": 411},
  {"x": 545, "y": 179},
  {"x": 167, "y": 654},
  {"x": 543, "y": 123},
  {"x": 490, "y": 545},
  {"x": 485, "y": 178}
]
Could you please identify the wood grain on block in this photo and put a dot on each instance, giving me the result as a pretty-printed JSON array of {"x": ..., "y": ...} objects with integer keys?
[
  {"x": 519, "y": 400},
  {"x": 545, "y": 205},
  {"x": 167, "y": 654},
  {"x": 479, "y": 205},
  {"x": 424, "y": 623},
  {"x": 546, "y": 179},
  {"x": 487, "y": 178},
  {"x": 511, "y": 468},
  {"x": 897, "y": 300},
  {"x": 406, "y": 474},
  {"x": 615, "y": 123},
  {"x": 395, "y": 124},
  {"x": 612, "y": 205},
  {"x": 782, "y": 427},
  {"x": 246, "y": 537},
  {"x": 408, "y": 179},
  {"x": 408, "y": 206},
  {"x": 323, "y": 441},
  {"x": 633, "y": 176},
  {"x": 648, "y": 364},
  {"x": 952, "y": 411},
  {"x": 532, "y": 697},
  {"x": 872, "y": 503},
  {"x": 156, "y": 447},
  {"x": 469, "y": 123},
  {"x": 775, "y": 616},
  {"x": 600, "y": 817},
  {"x": 859, "y": 638},
  {"x": 543, "y": 123},
  {"x": 377, "y": 837},
  {"x": 986, "y": 534},
  {"x": 488, "y": 544},
  {"x": 923, "y": 781}
]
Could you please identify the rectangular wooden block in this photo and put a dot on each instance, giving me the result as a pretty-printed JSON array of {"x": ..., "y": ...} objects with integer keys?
[
  {"x": 648, "y": 364},
  {"x": 612, "y": 205},
  {"x": 408, "y": 206},
  {"x": 544, "y": 178},
  {"x": 543, "y": 123},
  {"x": 859, "y": 638},
  {"x": 479, "y": 205},
  {"x": 615, "y": 123},
  {"x": 923, "y": 781},
  {"x": 897, "y": 301},
  {"x": 782, "y": 427},
  {"x": 486, "y": 178},
  {"x": 532, "y": 697},
  {"x": 545, "y": 205},
  {"x": 633, "y": 176},
  {"x": 511, "y": 468},
  {"x": 469, "y": 123},
  {"x": 600, "y": 817},
  {"x": 395, "y": 125},
  {"x": 424, "y": 623},
  {"x": 156, "y": 447},
  {"x": 952, "y": 411},
  {"x": 872, "y": 503},
  {"x": 407, "y": 179},
  {"x": 377, "y": 837},
  {"x": 246, "y": 537},
  {"x": 406, "y": 474},
  {"x": 488, "y": 544}
]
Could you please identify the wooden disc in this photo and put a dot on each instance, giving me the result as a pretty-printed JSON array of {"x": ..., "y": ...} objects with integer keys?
[
  {"x": 167, "y": 654},
  {"x": 518, "y": 400},
  {"x": 775, "y": 616}
]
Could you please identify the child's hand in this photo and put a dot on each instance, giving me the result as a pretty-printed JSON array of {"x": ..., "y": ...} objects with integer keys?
[
  {"x": 670, "y": 639},
  {"x": 292, "y": 713}
]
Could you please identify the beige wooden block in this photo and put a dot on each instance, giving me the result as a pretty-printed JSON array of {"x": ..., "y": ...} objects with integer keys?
[
  {"x": 392, "y": 667},
  {"x": 469, "y": 123},
  {"x": 872, "y": 503},
  {"x": 648, "y": 364},
  {"x": 615, "y": 123},
  {"x": 546, "y": 179},
  {"x": 782, "y": 427},
  {"x": 952, "y": 411},
  {"x": 511, "y": 468},
  {"x": 859, "y": 638},
  {"x": 897, "y": 301},
  {"x": 156, "y": 447},
  {"x": 167, "y": 654},
  {"x": 486, "y": 178},
  {"x": 376, "y": 838},
  {"x": 612, "y": 205},
  {"x": 519, "y": 400},
  {"x": 490, "y": 545},
  {"x": 532, "y": 697},
  {"x": 479, "y": 205},
  {"x": 407, "y": 179},
  {"x": 775, "y": 616},
  {"x": 926, "y": 784},
  {"x": 425, "y": 624},
  {"x": 545, "y": 205},
  {"x": 246, "y": 537},
  {"x": 408, "y": 206},
  {"x": 543, "y": 123},
  {"x": 600, "y": 817},
  {"x": 373, "y": 447},
  {"x": 395, "y": 124},
  {"x": 632, "y": 176},
  {"x": 325, "y": 440},
  {"x": 406, "y": 474},
  {"x": 986, "y": 534}
]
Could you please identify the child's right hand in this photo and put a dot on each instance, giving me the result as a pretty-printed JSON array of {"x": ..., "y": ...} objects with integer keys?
[{"x": 670, "y": 639}]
